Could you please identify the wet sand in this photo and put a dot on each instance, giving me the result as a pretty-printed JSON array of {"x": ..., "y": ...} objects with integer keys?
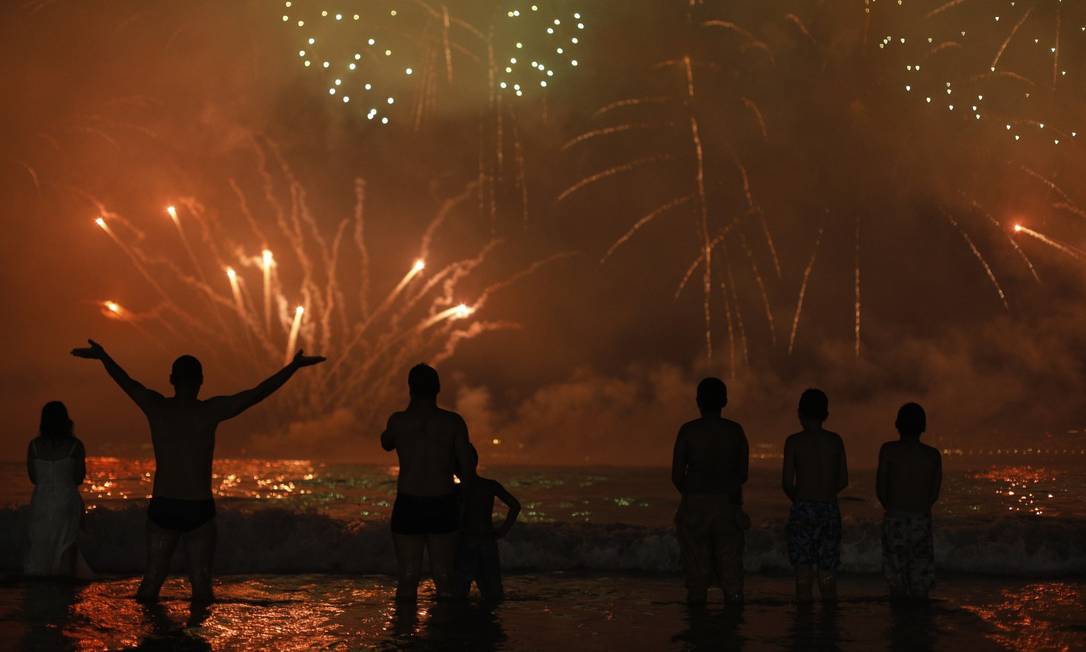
[{"x": 554, "y": 611}]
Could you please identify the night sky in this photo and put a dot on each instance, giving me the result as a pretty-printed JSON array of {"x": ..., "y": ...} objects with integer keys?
[{"x": 820, "y": 155}]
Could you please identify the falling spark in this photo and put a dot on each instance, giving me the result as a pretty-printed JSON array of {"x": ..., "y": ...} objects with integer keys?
[
  {"x": 803, "y": 292},
  {"x": 858, "y": 314},
  {"x": 295, "y": 328},
  {"x": 980, "y": 257},
  {"x": 266, "y": 265},
  {"x": 1070, "y": 250},
  {"x": 460, "y": 311}
]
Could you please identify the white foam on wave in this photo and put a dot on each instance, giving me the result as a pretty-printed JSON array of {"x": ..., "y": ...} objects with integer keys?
[{"x": 282, "y": 541}]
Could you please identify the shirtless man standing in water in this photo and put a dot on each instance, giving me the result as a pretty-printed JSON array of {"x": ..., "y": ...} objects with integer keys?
[
  {"x": 183, "y": 436},
  {"x": 709, "y": 467},
  {"x": 814, "y": 472},
  {"x": 432, "y": 445}
]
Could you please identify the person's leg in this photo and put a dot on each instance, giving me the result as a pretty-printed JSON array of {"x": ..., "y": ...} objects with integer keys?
[
  {"x": 442, "y": 548},
  {"x": 409, "y": 549},
  {"x": 829, "y": 550},
  {"x": 892, "y": 562},
  {"x": 489, "y": 577},
  {"x": 694, "y": 546},
  {"x": 921, "y": 571},
  {"x": 728, "y": 551},
  {"x": 200, "y": 548},
  {"x": 160, "y": 546},
  {"x": 800, "y": 552}
]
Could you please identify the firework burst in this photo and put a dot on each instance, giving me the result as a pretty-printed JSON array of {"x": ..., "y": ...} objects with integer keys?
[{"x": 249, "y": 307}]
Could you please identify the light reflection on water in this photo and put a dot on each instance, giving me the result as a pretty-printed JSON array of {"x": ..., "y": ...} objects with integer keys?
[
  {"x": 636, "y": 496},
  {"x": 544, "y": 612}
]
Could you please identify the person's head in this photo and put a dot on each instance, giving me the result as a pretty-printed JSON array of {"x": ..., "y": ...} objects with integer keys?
[
  {"x": 814, "y": 408},
  {"x": 911, "y": 420},
  {"x": 423, "y": 382},
  {"x": 55, "y": 423},
  {"x": 712, "y": 395},
  {"x": 187, "y": 375}
]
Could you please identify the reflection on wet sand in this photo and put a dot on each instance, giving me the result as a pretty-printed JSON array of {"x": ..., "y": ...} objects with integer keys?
[
  {"x": 712, "y": 629},
  {"x": 557, "y": 611}
]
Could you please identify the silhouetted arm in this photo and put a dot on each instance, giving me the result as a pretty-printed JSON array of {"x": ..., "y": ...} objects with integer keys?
[
  {"x": 388, "y": 437},
  {"x": 462, "y": 450},
  {"x": 881, "y": 490},
  {"x": 30, "y": 472},
  {"x": 136, "y": 391},
  {"x": 744, "y": 457},
  {"x": 678, "y": 462},
  {"x": 79, "y": 474},
  {"x": 228, "y": 407},
  {"x": 511, "y": 515},
  {"x": 937, "y": 480},
  {"x": 788, "y": 471},
  {"x": 842, "y": 471}
]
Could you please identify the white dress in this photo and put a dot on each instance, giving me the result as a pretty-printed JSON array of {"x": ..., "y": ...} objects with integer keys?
[{"x": 56, "y": 511}]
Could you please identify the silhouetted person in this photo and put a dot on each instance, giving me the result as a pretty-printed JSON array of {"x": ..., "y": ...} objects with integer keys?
[
  {"x": 815, "y": 471},
  {"x": 477, "y": 551},
  {"x": 431, "y": 445},
  {"x": 183, "y": 435},
  {"x": 709, "y": 468},
  {"x": 55, "y": 462},
  {"x": 908, "y": 481}
]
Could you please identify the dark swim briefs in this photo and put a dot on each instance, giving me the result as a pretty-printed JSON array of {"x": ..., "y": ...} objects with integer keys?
[
  {"x": 180, "y": 515},
  {"x": 419, "y": 515}
]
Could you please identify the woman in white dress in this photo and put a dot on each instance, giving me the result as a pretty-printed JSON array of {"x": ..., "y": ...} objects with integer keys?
[{"x": 55, "y": 461}]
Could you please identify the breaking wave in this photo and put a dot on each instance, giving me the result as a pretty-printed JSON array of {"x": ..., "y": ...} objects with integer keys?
[{"x": 277, "y": 540}]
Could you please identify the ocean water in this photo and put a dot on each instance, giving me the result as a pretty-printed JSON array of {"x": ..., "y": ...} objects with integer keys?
[
  {"x": 1022, "y": 517},
  {"x": 304, "y": 562}
]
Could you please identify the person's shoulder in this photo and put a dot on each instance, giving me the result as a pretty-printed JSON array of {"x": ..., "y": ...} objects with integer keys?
[
  {"x": 833, "y": 436},
  {"x": 932, "y": 451},
  {"x": 794, "y": 438},
  {"x": 396, "y": 417},
  {"x": 732, "y": 425},
  {"x": 689, "y": 425},
  {"x": 451, "y": 417}
]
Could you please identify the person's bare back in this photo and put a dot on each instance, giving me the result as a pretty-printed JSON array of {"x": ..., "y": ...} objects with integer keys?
[
  {"x": 432, "y": 446},
  {"x": 711, "y": 457},
  {"x": 909, "y": 476},
  {"x": 814, "y": 466}
]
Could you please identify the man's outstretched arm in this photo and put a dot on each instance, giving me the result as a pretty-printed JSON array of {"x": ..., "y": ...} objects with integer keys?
[
  {"x": 135, "y": 390},
  {"x": 228, "y": 407}
]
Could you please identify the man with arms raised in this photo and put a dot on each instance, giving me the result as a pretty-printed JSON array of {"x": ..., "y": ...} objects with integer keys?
[
  {"x": 709, "y": 468},
  {"x": 183, "y": 435},
  {"x": 432, "y": 445},
  {"x": 815, "y": 471}
]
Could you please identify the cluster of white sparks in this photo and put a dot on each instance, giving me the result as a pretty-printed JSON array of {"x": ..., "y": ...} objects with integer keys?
[
  {"x": 366, "y": 58},
  {"x": 351, "y": 75},
  {"x": 538, "y": 57},
  {"x": 1035, "y": 30}
]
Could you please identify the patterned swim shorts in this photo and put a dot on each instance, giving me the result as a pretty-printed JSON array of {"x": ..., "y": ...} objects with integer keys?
[
  {"x": 908, "y": 554},
  {"x": 814, "y": 535}
]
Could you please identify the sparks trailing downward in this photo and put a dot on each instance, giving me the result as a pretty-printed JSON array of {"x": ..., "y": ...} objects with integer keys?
[{"x": 677, "y": 113}]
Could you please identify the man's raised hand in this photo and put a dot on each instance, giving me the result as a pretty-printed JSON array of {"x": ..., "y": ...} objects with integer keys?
[
  {"x": 92, "y": 352},
  {"x": 302, "y": 360}
]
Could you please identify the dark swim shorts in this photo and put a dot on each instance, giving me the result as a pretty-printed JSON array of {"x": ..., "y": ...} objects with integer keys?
[
  {"x": 419, "y": 515},
  {"x": 180, "y": 515},
  {"x": 814, "y": 534}
]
